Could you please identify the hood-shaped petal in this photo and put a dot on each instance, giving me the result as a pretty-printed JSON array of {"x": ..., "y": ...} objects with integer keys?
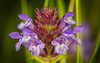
[
  {"x": 68, "y": 14},
  {"x": 24, "y": 16},
  {"x": 15, "y": 35},
  {"x": 77, "y": 29}
]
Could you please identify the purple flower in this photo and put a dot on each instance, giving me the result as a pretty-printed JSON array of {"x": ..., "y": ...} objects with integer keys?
[
  {"x": 69, "y": 33},
  {"x": 60, "y": 44},
  {"x": 28, "y": 23},
  {"x": 36, "y": 46},
  {"x": 63, "y": 20},
  {"x": 16, "y": 35},
  {"x": 24, "y": 37}
]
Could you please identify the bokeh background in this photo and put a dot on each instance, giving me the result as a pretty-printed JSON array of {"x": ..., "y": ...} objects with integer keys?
[{"x": 9, "y": 9}]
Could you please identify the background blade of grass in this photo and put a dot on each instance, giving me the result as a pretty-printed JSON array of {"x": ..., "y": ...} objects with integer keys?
[
  {"x": 95, "y": 48},
  {"x": 77, "y": 23},
  {"x": 46, "y": 3}
]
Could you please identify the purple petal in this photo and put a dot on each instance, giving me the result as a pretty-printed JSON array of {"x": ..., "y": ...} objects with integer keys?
[
  {"x": 17, "y": 45},
  {"x": 30, "y": 47},
  {"x": 66, "y": 27},
  {"x": 62, "y": 24},
  {"x": 42, "y": 45},
  {"x": 68, "y": 31},
  {"x": 15, "y": 35},
  {"x": 54, "y": 42},
  {"x": 24, "y": 16},
  {"x": 28, "y": 32},
  {"x": 68, "y": 14},
  {"x": 77, "y": 29}
]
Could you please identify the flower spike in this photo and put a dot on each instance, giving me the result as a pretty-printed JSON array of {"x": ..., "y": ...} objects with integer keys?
[{"x": 48, "y": 35}]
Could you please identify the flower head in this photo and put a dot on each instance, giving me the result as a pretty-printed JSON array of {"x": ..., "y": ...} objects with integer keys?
[{"x": 48, "y": 34}]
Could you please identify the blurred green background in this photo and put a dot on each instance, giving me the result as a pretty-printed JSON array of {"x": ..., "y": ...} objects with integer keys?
[{"x": 9, "y": 9}]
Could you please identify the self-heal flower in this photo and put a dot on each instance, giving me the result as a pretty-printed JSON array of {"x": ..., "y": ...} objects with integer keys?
[
  {"x": 60, "y": 44},
  {"x": 47, "y": 36},
  {"x": 70, "y": 34},
  {"x": 36, "y": 46},
  {"x": 26, "y": 38}
]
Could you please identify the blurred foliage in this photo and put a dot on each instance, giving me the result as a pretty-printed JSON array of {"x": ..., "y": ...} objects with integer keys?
[{"x": 9, "y": 9}]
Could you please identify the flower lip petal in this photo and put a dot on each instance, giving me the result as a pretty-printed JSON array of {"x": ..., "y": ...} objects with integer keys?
[
  {"x": 68, "y": 14},
  {"x": 15, "y": 35},
  {"x": 77, "y": 29},
  {"x": 24, "y": 16},
  {"x": 71, "y": 21},
  {"x": 17, "y": 45},
  {"x": 21, "y": 26}
]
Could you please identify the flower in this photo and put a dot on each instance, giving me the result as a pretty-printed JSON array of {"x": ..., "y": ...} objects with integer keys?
[
  {"x": 26, "y": 38},
  {"x": 48, "y": 34},
  {"x": 36, "y": 46},
  {"x": 60, "y": 44}
]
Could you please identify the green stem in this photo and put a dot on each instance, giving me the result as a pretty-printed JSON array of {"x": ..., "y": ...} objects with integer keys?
[
  {"x": 46, "y": 3},
  {"x": 77, "y": 23},
  {"x": 96, "y": 46},
  {"x": 25, "y": 10}
]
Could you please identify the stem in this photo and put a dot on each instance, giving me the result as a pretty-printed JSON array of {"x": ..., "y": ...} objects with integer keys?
[
  {"x": 25, "y": 10},
  {"x": 77, "y": 23},
  {"x": 96, "y": 46},
  {"x": 46, "y": 3}
]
